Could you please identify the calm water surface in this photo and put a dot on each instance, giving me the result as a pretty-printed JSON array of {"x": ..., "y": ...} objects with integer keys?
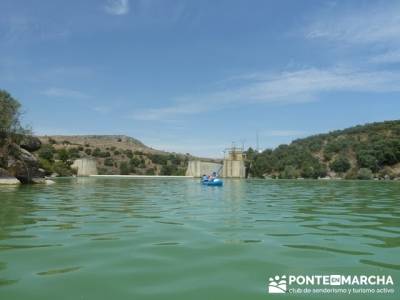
[{"x": 105, "y": 238}]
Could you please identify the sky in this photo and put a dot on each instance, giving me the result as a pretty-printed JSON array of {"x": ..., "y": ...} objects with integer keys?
[{"x": 196, "y": 76}]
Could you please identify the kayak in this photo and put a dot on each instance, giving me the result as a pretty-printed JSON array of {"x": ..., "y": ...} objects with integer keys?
[{"x": 212, "y": 182}]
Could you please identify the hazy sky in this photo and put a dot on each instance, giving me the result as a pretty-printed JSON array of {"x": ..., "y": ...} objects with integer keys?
[{"x": 193, "y": 76}]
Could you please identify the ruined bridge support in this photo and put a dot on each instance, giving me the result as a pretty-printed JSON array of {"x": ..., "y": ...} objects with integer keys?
[{"x": 232, "y": 166}]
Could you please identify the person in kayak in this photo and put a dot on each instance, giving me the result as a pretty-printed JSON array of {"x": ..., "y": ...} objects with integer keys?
[{"x": 213, "y": 176}]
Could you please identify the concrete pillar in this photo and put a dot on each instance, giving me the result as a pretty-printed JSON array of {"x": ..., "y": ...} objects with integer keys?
[{"x": 85, "y": 166}]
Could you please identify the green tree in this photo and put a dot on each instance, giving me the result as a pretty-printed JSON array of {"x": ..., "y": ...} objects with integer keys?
[
  {"x": 364, "y": 174},
  {"x": 46, "y": 152},
  {"x": 109, "y": 162},
  {"x": 124, "y": 168},
  {"x": 340, "y": 164},
  {"x": 63, "y": 154},
  {"x": 128, "y": 153},
  {"x": 96, "y": 152},
  {"x": 289, "y": 173},
  {"x": 9, "y": 113}
]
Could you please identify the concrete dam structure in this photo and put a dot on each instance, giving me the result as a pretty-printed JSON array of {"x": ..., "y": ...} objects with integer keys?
[
  {"x": 232, "y": 166},
  {"x": 85, "y": 167},
  {"x": 197, "y": 168}
]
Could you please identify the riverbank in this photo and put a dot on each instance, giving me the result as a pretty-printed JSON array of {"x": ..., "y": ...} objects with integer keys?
[{"x": 141, "y": 176}]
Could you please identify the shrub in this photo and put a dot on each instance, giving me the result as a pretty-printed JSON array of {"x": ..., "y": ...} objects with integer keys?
[
  {"x": 9, "y": 112},
  {"x": 104, "y": 154},
  {"x": 46, "y": 152},
  {"x": 340, "y": 165},
  {"x": 364, "y": 174},
  {"x": 124, "y": 168},
  {"x": 150, "y": 171},
  {"x": 135, "y": 162},
  {"x": 74, "y": 153},
  {"x": 367, "y": 160},
  {"x": 46, "y": 165},
  {"x": 88, "y": 151},
  {"x": 159, "y": 159},
  {"x": 63, "y": 154},
  {"x": 96, "y": 152},
  {"x": 109, "y": 162},
  {"x": 128, "y": 153},
  {"x": 168, "y": 170},
  {"x": 289, "y": 173},
  {"x": 62, "y": 169}
]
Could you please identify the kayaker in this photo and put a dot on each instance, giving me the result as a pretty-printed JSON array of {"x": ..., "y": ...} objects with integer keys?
[{"x": 213, "y": 176}]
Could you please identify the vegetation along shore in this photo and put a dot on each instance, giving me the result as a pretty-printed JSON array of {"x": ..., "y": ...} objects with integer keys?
[{"x": 370, "y": 151}]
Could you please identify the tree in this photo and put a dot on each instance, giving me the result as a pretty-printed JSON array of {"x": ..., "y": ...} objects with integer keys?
[
  {"x": 340, "y": 165},
  {"x": 9, "y": 113},
  {"x": 63, "y": 154},
  {"x": 46, "y": 152},
  {"x": 289, "y": 173},
  {"x": 124, "y": 168},
  {"x": 109, "y": 162},
  {"x": 364, "y": 174},
  {"x": 366, "y": 159},
  {"x": 96, "y": 152}
]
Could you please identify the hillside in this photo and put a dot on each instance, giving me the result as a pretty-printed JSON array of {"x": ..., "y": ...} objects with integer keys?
[
  {"x": 360, "y": 152},
  {"x": 114, "y": 154}
]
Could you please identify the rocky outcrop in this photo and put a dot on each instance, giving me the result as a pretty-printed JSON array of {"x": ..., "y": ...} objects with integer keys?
[
  {"x": 20, "y": 165},
  {"x": 24, "y": 165},
  {"x": 30, "y": 143}
]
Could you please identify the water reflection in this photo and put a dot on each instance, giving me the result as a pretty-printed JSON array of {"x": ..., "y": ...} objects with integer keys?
[{"x": 141, "y": 233}]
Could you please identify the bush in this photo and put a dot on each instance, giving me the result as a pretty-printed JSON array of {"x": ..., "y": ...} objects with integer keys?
[
  {"x": 46, "y": 152},
  {"x": 62, "y": 169},
  {"x": 159, "y": 159},
  {"x": 150, "y": 171},
  {"x": 46, "y": 165},
  {"x": 135, "y": 162},
  {"x": 9, "y": 113},
  {"x": 364, "y": 174},
  {"x": 168, "y": 170},
  {"x": 74, "y": 153},
  {"x": 63, "y": 154},
  {"x": 367, "y": 160},
  {"x": 128, "y": 153},
  {"x": 289, "y": 173},
  {"x": 96, "y": 152},
  {"x": 109, "y": 162},
  {"x": 105, "y": 154},
  {"x": 88, "y": 151},
  {"x": 124, "y": 168},
  {"x": 340, "y": 165}
]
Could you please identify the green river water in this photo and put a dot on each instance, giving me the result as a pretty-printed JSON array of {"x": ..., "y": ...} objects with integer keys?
[{"x": 124, "y": 238}]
